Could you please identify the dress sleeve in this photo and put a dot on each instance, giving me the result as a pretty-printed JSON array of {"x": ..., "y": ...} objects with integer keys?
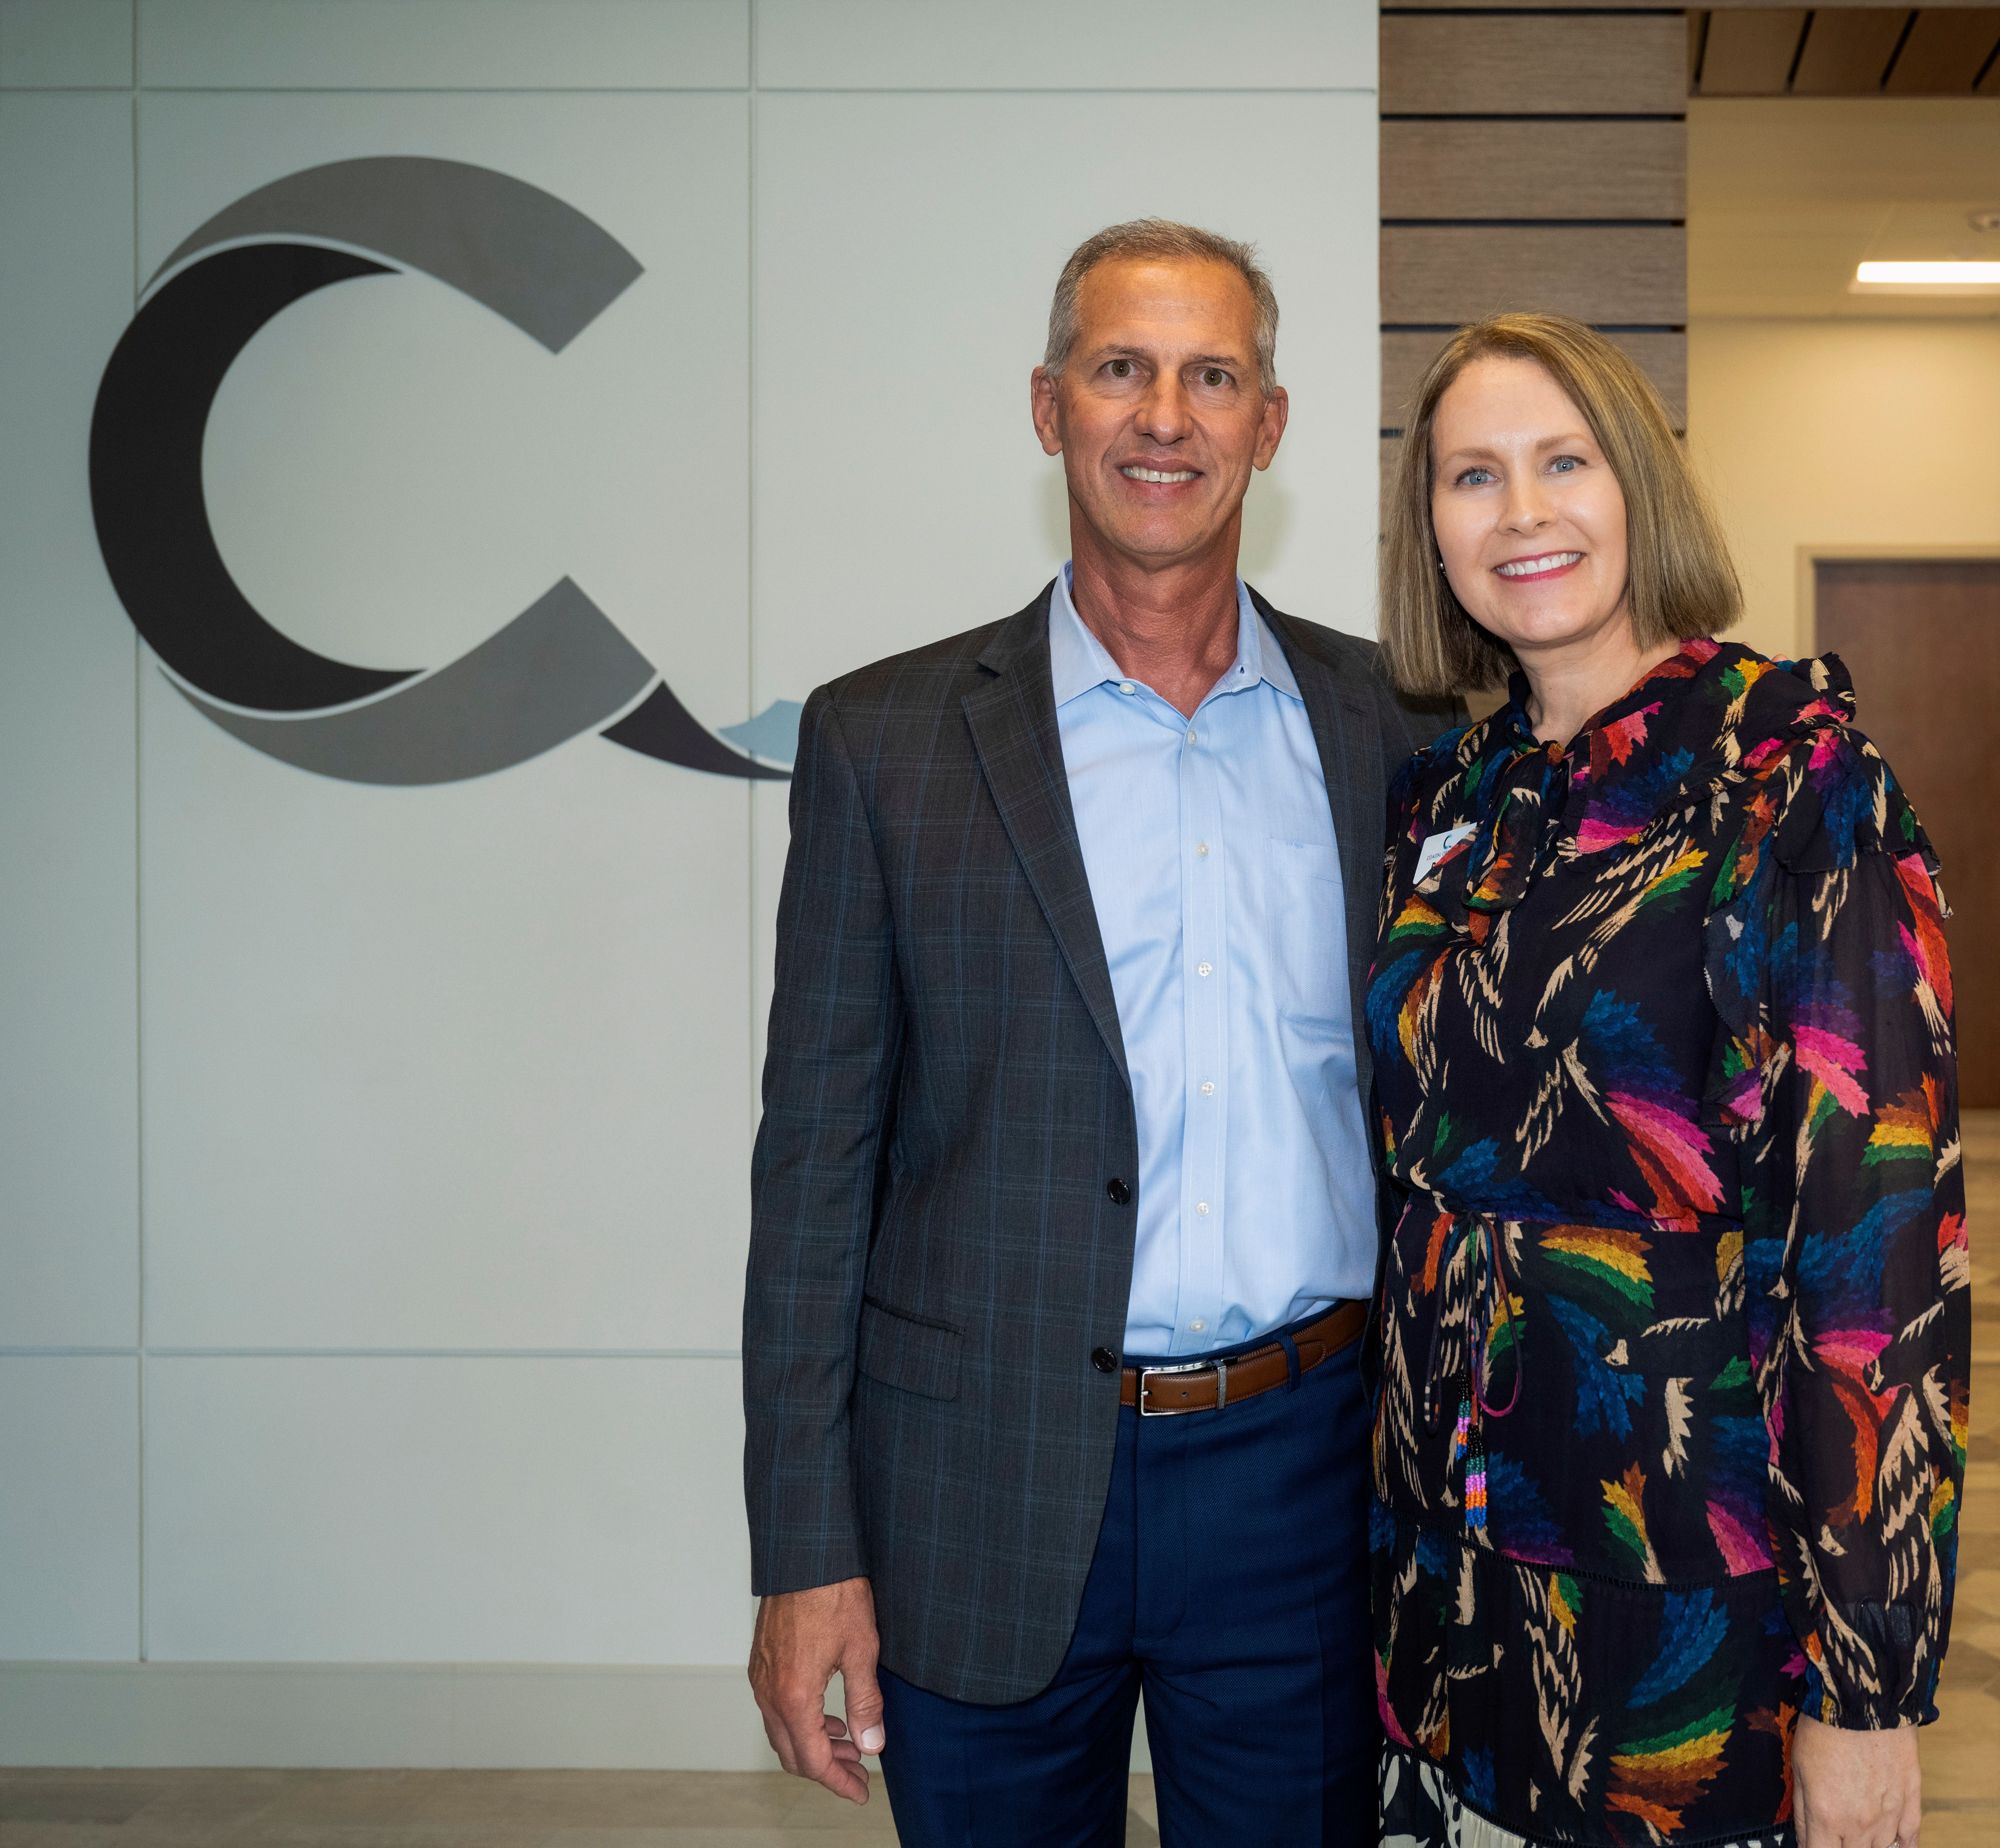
[{"x": 1855, "y": 1245}]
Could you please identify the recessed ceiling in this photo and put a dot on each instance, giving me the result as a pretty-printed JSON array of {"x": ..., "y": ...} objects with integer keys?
[
  {"x": 1843, "y": 50},
  {"x": 1786, "y": 195}
]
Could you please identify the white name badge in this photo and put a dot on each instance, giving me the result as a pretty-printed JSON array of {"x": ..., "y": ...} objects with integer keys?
[{"x": 1437, "y": 846}]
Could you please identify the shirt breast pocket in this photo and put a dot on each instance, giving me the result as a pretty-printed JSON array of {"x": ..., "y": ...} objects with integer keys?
[{"x": 1306, "y": 927}]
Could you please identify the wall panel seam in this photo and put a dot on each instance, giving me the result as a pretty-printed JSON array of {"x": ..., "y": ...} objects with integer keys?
[
  {"x": 454, "y": 89},
  {"x": 737, "y": 89},
  {"x": 383, "y": 1353},
  {"x": 1552, "y": 224},
  {"x": 1603, "y": 327},
  {"x": 56, "y": 1351},
  {"x": 307, "y": 1353},
  {"x": 753, "y": 1096},
  {"x": 138, "y": 995},
  {"x": 1137, "y": 89},
  {"x": 1560, "y": 115}
]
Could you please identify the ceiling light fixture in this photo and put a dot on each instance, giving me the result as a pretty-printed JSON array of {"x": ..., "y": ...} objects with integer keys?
[{"x": 1953, "y": 275}]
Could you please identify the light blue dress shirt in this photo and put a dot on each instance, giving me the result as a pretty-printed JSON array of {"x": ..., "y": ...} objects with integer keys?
[{"x": 1210, "y": 851}]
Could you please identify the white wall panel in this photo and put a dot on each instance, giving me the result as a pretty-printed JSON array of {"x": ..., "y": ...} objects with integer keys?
[
  {"x": 465, "y": 1065},
  {"x": 467, "y": 1071},
  {"x": 906, "y": 248},
  {"x": 66, "y": 44},
  {"x": 444, "y": 44},
  {"x": 1054, "y": 45},
  {"x": 68, "y": 1013},
  {"x": 445, "y": 1510},
  {"x": 69, "y": 1509}
]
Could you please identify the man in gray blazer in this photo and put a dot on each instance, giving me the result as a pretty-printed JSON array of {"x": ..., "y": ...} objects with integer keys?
[{"x": 1063, "y": 1208}]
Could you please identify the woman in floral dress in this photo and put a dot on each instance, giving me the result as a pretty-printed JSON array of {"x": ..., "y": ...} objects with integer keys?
[{"x": 1673, "y": 1326}]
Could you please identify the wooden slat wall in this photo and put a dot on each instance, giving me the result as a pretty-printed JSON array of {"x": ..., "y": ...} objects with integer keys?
[
  {"x": 1541, "y": 6},
  {"x": 1404, "y": 357},
  {"x": 1533, "y": 64},
  {"x": 1488, "y": 169},
  {"x": 1620, "y": 275},
  {"x": 1533, "y": 156}
]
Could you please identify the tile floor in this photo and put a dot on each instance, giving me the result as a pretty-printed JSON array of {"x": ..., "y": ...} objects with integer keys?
[{"x": 685, "y": 1809}]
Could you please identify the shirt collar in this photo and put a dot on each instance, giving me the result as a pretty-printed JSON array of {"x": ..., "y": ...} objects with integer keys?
[{"x": 1079, "y": 662}]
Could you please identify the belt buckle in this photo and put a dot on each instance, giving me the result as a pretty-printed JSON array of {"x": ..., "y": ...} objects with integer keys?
[{"x": 1187, "y": 1366}]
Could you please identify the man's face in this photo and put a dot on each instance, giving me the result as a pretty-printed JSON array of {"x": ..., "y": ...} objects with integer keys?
[{"x": 1158, "y": 415}]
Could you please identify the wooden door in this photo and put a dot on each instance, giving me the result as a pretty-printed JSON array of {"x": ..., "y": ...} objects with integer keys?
[{"x": 1922, "y": 639}]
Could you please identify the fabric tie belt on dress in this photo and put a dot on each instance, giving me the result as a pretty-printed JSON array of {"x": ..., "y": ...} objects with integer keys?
[
  {"x": 1208, "y": 1385},
  {"x": 1489, "y": 1268}
]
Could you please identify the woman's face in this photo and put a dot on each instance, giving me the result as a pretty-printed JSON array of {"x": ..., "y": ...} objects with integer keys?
[{"x": 1529, "y": 519}]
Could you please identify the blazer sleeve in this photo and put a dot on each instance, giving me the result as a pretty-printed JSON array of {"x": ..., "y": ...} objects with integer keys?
[{"x": 829, "y": 1073}]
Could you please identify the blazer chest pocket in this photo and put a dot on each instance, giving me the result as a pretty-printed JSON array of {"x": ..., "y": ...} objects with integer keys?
[{"x": 901, "y": 1350}]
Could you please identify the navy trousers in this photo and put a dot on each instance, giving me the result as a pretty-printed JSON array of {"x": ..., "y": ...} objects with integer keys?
[{"x": 1230, "y": 1589}]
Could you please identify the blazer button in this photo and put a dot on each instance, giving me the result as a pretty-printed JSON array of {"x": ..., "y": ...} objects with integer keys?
[
  {"x": 1119, "y": 1193},
  {"x": 1104, "y": 1360}
]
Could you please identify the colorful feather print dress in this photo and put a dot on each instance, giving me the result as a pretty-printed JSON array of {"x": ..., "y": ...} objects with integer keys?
[{"x": 1671, "y": 1346}]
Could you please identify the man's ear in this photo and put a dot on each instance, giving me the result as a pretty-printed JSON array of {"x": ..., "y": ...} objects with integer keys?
[
  {"x": 1042, "y": 408},
  {"x": 1271, "y": 430}
]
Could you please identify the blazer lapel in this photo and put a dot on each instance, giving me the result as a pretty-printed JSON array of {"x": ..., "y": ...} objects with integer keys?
[
  {"x": 1348, "y": 731},
  {"x": 1012, "y": 716}
]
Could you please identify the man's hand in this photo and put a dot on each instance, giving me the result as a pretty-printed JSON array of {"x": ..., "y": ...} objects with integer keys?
[
  {"x": 802, "y": 1637},
  {"x": 1855, "y": 1789}
]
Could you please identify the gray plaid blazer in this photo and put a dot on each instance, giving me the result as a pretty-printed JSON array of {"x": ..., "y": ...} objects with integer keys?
[{"x": 943, "y": 1191}]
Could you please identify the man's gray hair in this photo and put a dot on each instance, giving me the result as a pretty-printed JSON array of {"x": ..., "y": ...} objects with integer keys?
[{"x": 1162, "y": 237}]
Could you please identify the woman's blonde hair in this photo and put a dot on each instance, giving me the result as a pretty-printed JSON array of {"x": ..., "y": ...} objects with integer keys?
[{"x": 1680, "y": 579}]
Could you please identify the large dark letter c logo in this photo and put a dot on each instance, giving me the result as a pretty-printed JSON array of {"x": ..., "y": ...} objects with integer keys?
[{"x": 557, "y": 669}]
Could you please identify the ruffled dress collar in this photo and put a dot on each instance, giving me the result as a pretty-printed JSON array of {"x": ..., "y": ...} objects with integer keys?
[{"x": 1711, "y": 712}]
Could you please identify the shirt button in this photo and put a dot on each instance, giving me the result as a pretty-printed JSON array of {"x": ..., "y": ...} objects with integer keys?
[
  {"x": 1204, "y": 968},
  {"x": 1104, "y": 1360},
  {"x": 1197, "y": 1325},
  {"x": 1117, "y": 1191},
  {"x": 1201, "y": 1207},
  {"x": 1194, "y": 737},
  {"x": 1127, "y": 688},
  {"x": 1201, "y": 848},
  {"x": 1208, "y": 1087}
]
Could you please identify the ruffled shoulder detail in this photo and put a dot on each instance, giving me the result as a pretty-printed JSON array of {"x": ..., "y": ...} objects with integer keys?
[
  {"x": 1845, "y": 802},
  {"x": 1821, "y": 799},
  {"x": 1818, "y": 794},
  {"x": 1667, "y": 748}
]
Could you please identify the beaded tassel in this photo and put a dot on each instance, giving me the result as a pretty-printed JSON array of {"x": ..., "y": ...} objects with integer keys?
[{"x": 1467, "y": 1448}]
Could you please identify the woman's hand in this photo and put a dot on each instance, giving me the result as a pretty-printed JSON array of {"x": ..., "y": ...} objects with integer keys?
[{"x": 1855, "y": 1789}]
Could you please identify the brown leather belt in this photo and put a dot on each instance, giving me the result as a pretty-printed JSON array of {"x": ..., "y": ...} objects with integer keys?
[{"x": 1209, "y": 1385}]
